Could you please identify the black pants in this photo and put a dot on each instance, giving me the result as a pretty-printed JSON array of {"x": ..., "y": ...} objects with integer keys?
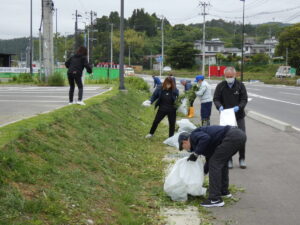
[
  {"x": 159, "y": 117},
  {"x": 72, "y": 80},
  {"x": 218, "y": 162},
  {"x": 242, "y": 126}
]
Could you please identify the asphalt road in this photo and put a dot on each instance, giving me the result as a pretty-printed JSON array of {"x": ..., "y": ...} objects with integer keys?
[
  {"x": 19, "y": 102},
  {"x": 271, "y": 180},
  {"x": 277, "y": 101}
]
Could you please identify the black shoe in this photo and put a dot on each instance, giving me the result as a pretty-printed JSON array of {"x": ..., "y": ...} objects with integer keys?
[
  {"x": 226, "y": 195},
  {"x": 213, "y": 203}
]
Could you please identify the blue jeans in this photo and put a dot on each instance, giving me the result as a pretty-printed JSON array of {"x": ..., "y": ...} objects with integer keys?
[{"x": 206, "y": 110}]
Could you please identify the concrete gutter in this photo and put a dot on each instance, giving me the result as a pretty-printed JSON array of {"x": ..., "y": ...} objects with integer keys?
[{"x": 280, "y": 125}]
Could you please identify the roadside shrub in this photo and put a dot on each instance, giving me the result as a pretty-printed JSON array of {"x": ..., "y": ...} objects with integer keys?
[
  {"x": 56, "y": 79},
  {"x": 22, "y": 78},
  {"x": 137, "y": 83}
]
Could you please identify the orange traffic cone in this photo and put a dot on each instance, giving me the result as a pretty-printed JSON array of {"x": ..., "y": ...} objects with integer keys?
[{"x": 191, "y": 112}]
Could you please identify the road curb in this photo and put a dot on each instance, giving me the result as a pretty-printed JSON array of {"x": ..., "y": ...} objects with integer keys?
[{"x": 280, "y": 125}]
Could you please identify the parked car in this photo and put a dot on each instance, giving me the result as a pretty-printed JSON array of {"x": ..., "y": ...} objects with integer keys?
[
  {"x": 285, "y": 71},
  {"x": 129, "y": 72},
  {"x": 167, "y": 69}
]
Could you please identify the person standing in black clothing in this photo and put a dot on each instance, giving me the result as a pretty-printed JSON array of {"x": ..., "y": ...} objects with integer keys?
[
  {"x": 75, "y": 66},
  {"x": 165, "y": 97},
  {"x": 232, "y": 93},
  {"x": 217, "y": 144}
]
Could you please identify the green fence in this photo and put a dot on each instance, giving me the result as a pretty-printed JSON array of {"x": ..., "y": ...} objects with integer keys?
[{"x": 98, "y": 74}]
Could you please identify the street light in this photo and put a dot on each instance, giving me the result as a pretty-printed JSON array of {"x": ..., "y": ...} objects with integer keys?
[
  {"x": 30, "y": 51},
  {"x": 243, "y": 35},
  {"x": 121, "y": 73}
]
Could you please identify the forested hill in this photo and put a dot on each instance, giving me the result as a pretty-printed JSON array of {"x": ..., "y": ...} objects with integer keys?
[{"x": 143, "y": 36}]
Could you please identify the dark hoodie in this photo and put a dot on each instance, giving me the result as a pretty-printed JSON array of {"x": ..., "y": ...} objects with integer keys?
[{"x": 76, "y": 64}]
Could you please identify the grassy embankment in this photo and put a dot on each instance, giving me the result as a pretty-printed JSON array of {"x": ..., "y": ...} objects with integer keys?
[{"x": 84, "y": 163}]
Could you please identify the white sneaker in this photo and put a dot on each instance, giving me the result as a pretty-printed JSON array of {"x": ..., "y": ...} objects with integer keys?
[
  {"x": 149, "y": 136},
  {"x": 80, "y": 103},
  {"x": 71, "y": 103}
]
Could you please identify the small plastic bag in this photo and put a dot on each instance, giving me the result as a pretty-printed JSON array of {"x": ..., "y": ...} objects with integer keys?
[
  {"x": 227, "y": 117},
  {"x": 185, "y": 178},
  {"x": 185, "y": 125},
  {"x": 183, "y": 108},
  {"x": 173, "y": 141},
  {"x": 146, "y": 103}
]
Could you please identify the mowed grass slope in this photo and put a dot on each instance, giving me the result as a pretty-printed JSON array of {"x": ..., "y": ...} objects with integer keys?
[{"x": 86, "y": 164}]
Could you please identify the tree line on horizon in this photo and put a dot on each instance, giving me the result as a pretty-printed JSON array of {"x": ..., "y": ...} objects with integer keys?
[{"x": 143, "y": 38}]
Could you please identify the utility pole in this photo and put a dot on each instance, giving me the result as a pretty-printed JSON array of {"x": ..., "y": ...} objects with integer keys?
[
  {"x": 121, "y": 63},
  {"x": 286, "y": 56},
  {"x": 162, "y": 47},
  {"x": 204, "y": 5},
  {"x": 111, "y": 44},
  {"x": 77, "y": 41},
  {"x": 56, "y": 41},
  {"x": 162, "y": 43},
  {"x": 129, "y": 63},
  {"x": 92, "y": 13},
  {"x": 48, "y": 8},
  {"x": 150, "y": 60},
  {"x": 243, "y": 36},
  {"x": 30, "y": 41}
]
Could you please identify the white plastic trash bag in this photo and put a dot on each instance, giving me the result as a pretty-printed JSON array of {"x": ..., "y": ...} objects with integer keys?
[
  {"x": 173, "y": 141},
  {"x": 227, "y": 117},
  {"x": 146, "y": 103},
  {"x": 183, "y": 108},
  {"x": 185, "y": 178},
  {"x": 185, "y": 125}
]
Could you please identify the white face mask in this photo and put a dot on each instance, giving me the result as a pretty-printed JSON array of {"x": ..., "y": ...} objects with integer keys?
[{"x": 230, "y": 80}]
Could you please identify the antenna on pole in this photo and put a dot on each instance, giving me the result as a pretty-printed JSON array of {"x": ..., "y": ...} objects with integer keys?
[{"x": 204, "y": 6}]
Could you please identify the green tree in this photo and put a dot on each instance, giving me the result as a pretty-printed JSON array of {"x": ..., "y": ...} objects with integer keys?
[
  {"x": 260, "y": 58},
  {"x": 181, "y": 55},
  {"x": 290, "y": 39},
  {"x": 143, "y": 22}
]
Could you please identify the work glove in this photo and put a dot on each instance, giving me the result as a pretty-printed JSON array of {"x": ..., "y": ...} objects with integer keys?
[
  {"x": 206, "y": 168},
  {"x": 193, "y": 157},
  {"x": 236, "y": 108},
  {"x": 221, "y": 108}
]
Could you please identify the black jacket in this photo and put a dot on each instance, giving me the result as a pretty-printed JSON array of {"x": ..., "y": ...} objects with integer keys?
[
  {"x": 204, "y": 140},
  {"x": 230, "y": 97},
  {"x": 158, "y": 93},
  {"x": 76, "y": 64}
]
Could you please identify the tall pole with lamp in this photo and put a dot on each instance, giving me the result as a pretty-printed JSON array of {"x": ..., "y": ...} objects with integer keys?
[
  {"x": 121, "y": 63},
  {"x": 243, "y": 36}
]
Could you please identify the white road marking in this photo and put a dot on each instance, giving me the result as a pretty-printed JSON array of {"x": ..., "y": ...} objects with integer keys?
[
  {"x": 33, "y": 101},
  {"x": 38, "y": 96},
  {"x": 288, "y": 93},
  {"x": 272, "y": 99},
  {"x": 254, "y": 89}
]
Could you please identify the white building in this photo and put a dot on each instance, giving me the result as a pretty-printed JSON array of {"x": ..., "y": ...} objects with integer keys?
[
  {"x": 212, "y": 47},
  {"x": 268, "y": 47}
]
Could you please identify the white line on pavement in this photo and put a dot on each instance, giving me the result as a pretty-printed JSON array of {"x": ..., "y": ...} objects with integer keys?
[
  {"x": 35, "y": 101},
  {"x": 288, "y": 93},
  {"x": 272, "y": 99},
  {"x": 39, "y": 96},
  {"x": 34, "y": 92},
  {"x": 254, "y": 89}
]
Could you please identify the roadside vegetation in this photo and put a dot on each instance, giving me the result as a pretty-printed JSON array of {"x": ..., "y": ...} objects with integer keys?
[
  {"x": 83, "y": 164},
  {"x": 263, "y": 73}
]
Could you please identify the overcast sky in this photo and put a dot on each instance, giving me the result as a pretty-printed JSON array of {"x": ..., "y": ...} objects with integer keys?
[{"x": 15, "y": 14}]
